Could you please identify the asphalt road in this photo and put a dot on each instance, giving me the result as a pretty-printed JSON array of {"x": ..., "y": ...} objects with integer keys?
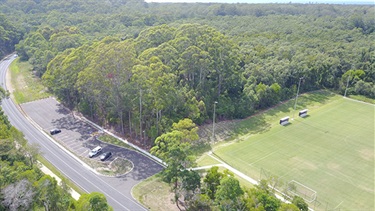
[{"x": 116, "y": 189}]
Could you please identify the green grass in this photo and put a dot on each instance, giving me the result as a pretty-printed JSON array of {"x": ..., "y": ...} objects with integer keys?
[
  {"x": 112, "y": 140},
  {"x": 26, "y": 86},
  {"x": 205, "y": 160},
  {"x": 154, "y": 194},
  {"x": 362, "y": 98},
  {"x": 331, "y": 151}
]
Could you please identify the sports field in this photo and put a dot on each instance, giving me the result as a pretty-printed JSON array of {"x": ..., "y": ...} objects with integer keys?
[{"x": 330, "y": 151}]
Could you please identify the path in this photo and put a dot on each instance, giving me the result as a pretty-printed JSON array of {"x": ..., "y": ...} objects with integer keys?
[{"x": 47, "y": 171}]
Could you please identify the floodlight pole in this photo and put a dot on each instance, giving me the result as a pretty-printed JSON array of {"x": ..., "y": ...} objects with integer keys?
[
  {"x": 295, "y": 103},
  {"x": 140, "y": 112},
  {"x": 213, "y": 122},
  {"x": 144, "y": 138},
  {"x": 347, "y": 84}
]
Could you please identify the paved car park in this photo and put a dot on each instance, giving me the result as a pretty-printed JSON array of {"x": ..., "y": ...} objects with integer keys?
[
  {"x": 79, "y": 137},
  {"x": 50, "y": 114}
]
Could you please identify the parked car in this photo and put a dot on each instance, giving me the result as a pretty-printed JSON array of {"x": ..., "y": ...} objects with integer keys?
[
  {"x": 95, "y": 151},
  {"x": 105, "y": 155},
  {"x": 54, "y": 131}
]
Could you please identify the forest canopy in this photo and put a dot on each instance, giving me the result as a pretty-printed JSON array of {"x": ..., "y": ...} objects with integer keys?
[
  {"x": 158, "y": 70},
  {"x": 142, "y": 66}
]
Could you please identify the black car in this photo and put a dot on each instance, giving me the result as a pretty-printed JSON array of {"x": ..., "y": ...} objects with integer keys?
[
  {"x": 105, "y": 155},
  {"x": 54, "y": 131}
]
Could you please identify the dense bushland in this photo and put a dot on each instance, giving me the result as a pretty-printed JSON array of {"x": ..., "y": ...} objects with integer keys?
[{"x": 140, "y": 67}]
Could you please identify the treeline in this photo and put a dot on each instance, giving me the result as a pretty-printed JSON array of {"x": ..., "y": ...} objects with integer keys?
[
  {"x": 212, "y": 190},
  {"x": 140, "y": 67},
  {"x": 147, "y": 83},
  {"x": 9, "y": 36},
  {"x": 24, "y": 186}
]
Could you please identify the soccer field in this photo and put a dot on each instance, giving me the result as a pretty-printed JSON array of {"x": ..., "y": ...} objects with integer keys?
[{"x": 330, "y": 151}]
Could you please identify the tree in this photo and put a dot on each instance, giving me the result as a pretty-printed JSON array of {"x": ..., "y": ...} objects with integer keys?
[
  {"x": 229, "y": 194},
  {"x": 300, "y": 203},
  {"x": 18, "y": 196},
  {"x": 188, "y": 128},
  {"x": 9, "y": 35},
  {"x": 212, "y": 182},
  {"x": 200, "y": 202},
  {"x": 92, "y": 202},
  {"x": 31, "y": 152},
  {"x": 288, "y": 207},
  {"x": 47, "y": 194},
  {"x": 182, "y": 135},
  {"x": 173, "y": 148},
  {"x": 190, "y": 185}
]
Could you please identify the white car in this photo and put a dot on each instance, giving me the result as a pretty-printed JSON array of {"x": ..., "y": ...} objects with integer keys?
[{"x": 95, "y": 151}]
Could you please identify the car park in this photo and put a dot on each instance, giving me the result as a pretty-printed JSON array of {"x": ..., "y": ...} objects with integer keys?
[
  {"x": 105, "y": 155},
  {"x": 54, "y": 131},
  {"x": 95, "y": 151}
]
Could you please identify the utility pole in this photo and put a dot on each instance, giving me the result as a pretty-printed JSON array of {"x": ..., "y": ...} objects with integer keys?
[
  {"x": 213, "y": 122},
  {"x": 295, "y": 103}
]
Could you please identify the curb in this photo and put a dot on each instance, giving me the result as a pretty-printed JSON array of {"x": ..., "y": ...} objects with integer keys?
[{"x": 161, "y": 162}]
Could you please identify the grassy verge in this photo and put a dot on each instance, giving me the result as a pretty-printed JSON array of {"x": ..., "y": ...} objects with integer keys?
[
  {"x": 362, "y": 98},
  {"x": 112, "y": 140},
  {"x": 61, "y": 176},
  {"x": 206, "y": 160},
  {"x": 25, "y": 87},
  {"x": 154, "y": 194}
]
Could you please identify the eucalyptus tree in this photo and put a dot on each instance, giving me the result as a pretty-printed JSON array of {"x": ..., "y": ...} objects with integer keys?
[
  {"x": 174, "y": 148},
  {"x": 110, "y": 73},
  {"x": 159, "y": 88}
]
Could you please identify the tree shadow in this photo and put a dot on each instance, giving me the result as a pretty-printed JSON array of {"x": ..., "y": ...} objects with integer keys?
[
  {"x": 62, "y": 110},
  {"x": 256, "y": 124},
  {"x": 320, "y": 96},
  {"x": 200, "y": 147},
  {"x": 68, "y": 122}
]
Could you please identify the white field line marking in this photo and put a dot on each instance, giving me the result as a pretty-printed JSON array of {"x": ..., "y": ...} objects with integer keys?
[
  {"x": 338, "y": 205},
  {"x": 358, "y": 101},
  {"x": 262, "y": 158}
]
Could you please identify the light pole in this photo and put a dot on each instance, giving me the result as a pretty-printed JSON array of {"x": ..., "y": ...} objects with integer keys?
[
  {"x": 213, "y": 125},
  {"x": 144, "y": 138},
  {"x": 295, "y": 103},
  {"x": 347, "y": 84}
]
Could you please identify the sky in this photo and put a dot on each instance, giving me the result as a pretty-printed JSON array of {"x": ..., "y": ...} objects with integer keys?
[{"x": 272, "y": 1}]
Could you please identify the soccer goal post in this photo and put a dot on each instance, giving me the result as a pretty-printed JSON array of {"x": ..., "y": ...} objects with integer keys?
[{"x": 298, "y": 189}]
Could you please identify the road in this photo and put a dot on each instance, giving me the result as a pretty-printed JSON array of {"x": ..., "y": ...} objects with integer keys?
[{"x": 116, "y": 189}]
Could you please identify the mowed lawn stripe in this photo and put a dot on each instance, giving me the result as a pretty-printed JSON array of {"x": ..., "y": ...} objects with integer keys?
[{"x": 330, "y": 151}]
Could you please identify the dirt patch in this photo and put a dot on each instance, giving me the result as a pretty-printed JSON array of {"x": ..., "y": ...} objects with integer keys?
[
  {"x": 304, "y": 163},
  {"x": 223, "y": 130},
  {"x": 154, "y": 194},
  {"x": 119, "y": 166},
  {"x": 333, "y": 166},
  {"x": 367, "y": 154},
  {"x": 8, "y": 81}
]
